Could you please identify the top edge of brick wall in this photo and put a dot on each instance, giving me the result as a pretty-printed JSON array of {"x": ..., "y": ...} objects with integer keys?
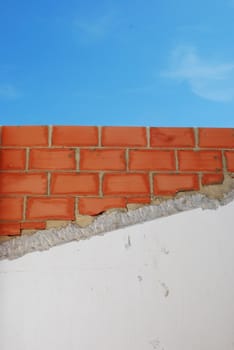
[
  {"x": 75, "y": 136},
  {"x": 24, "y": 135},
  {"x": 216, "y": 137},
  {"x": 116, "y": 136},
  {"x": 124, "y": 136}
]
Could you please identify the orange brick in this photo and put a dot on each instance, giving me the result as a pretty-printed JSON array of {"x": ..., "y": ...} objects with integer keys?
[
  {"x": 12, "y": 159},
  {"x": 94, "y": 206},
  {"x": 123, "y": 136},
  {"x": 172, "y": 137},
  {"x": 23, "y": 183},
  {"x": 200, "y": 160},
  {"x": 75, "y": 136},
  {"x": 170, "y": 184},
  {"x": 111, "y": 159},
  {"x": 212, "y": 179},
  {"x": 138, "y": 200},
  {"x": 50, "y": 208},
  {"x": 230, "y": 160},
  {"x": 151, "y": 160},
  {"x": 216, "y": 137},
  {"x": 34, "y": 225},
  {"x": 11, "y": 208},
  {"x": 126, "y": 184},
  {"x": 24, "y": 136},
  {"x": 60, "y": 159},
  {"x": 9, "y": 229},
  {"x": 75, "y": 184}
]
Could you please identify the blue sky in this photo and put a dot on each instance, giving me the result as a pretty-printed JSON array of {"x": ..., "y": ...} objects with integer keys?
[{"x": 125, "y": 62}]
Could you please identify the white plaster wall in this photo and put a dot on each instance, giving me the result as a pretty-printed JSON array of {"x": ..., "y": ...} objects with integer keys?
[{"x": 166, "y": 284}]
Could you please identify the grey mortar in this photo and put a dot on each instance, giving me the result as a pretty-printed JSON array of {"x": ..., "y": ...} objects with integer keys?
[{"x": 45, "y": 239}]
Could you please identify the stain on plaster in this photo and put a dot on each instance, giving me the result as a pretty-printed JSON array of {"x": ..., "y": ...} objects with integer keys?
[
  {"x": 166, "y": 290},
  {"x": 140, "y": 278},
  {"x": 128, "y": 244},
  {"x": 165, "y": 251},
  {"x": 209, "y": 198},
  {"x": 155, "y": 343}
]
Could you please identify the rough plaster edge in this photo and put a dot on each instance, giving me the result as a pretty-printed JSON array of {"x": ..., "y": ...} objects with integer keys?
[{"x": 45, "y": 239}]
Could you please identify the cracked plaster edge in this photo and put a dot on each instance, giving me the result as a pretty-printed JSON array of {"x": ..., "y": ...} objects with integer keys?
[{"x": 45, "y": 239}]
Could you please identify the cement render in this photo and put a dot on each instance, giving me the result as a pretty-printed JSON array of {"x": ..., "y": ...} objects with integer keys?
[{"x": 45, "y": 239}]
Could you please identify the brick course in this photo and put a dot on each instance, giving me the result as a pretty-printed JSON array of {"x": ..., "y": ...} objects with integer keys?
[{"x": 63, "y": 172}]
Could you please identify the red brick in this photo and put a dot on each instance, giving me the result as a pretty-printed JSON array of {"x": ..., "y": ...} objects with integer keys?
[
  {"x": 172, "y": 137},
  {"x": 170, "y": 184},
  {"x": 60, "y": 159},
  {"x": 24, "y": 136},
  {"x": 200, "y": 160},
  {"x": 12, "y": 159},
  {"x": 11, "y": 208},
  {"x": 111, "y": 159},
  {"x": 50, "y": 208},
  {"x": 126, "y": 184},
  {"x": 138, "y": 200},
  {"x": 94, "y": 206},
  {"x": 230, "y": 160},
  {"x": 216, "y": 137},
  {"x": 9, "y": 229},
  {"x": 212, "y": 179},
  {"x": 123, "y": 136},
  {"x": 33, "y": 225},
  {"x": 75, "y": 136},
  {"x": 23, "y": 183},
  {"x": 68, "y": 183},
  {"x": 151, "y": 160}
]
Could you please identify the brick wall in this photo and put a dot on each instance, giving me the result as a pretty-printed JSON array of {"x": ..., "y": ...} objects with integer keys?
[{"x": 63, "y": 172}]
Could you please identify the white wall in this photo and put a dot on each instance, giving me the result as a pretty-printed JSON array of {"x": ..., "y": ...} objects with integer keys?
[{"x": 166, "y": 285}]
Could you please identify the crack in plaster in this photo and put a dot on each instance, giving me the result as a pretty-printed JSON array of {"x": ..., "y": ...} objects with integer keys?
[{"x": 109, "y": 221}]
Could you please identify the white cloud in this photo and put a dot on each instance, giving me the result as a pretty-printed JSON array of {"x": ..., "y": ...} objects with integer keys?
[
  {"x": 9, "y": 92},
  {"x": 96, "y": 28},
  {"x": 206, "y": 78}
]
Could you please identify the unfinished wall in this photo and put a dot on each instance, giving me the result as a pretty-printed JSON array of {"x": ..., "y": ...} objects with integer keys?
[
  {"x": 167, "y": 284},
  {"x": 54, "y": 175}
]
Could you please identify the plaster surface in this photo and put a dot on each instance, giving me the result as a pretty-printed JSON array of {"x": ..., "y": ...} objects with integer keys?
[{"x": 166, "y": 284}]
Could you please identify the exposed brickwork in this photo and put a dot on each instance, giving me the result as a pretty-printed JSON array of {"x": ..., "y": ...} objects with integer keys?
[
  {"x": 12, "y": 159},
  {"x": 200, "y": 161},
  {"x": 11, "y": 208},
  {"x": 94, "y": 206},
  {"x": 124, "y": 136},
  {"x": 75, "y": 136},
  {"x": 60, "y": 173},
  {"x": 126, "y": 184},
  {"x": 23, "y": 183},
  {"x": 151, "y": 160},
  {"x": 22, "y": 136},
  {"x": 39, "y": 225},
  {"x": 172, "y": 137},
  {"x": 216, "y": 138},
  {"x": 212, "y": 179},
  {"x": 52, "y": 159},
  {"x": 169, "y": 184},
  {"x": 9, "y": 229},
  {"x": 105, "y": 159},
  {"x": 74, "y": 183},
  {"x": 230, "y": 161},
  {"x": 50, "y": 208}
]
